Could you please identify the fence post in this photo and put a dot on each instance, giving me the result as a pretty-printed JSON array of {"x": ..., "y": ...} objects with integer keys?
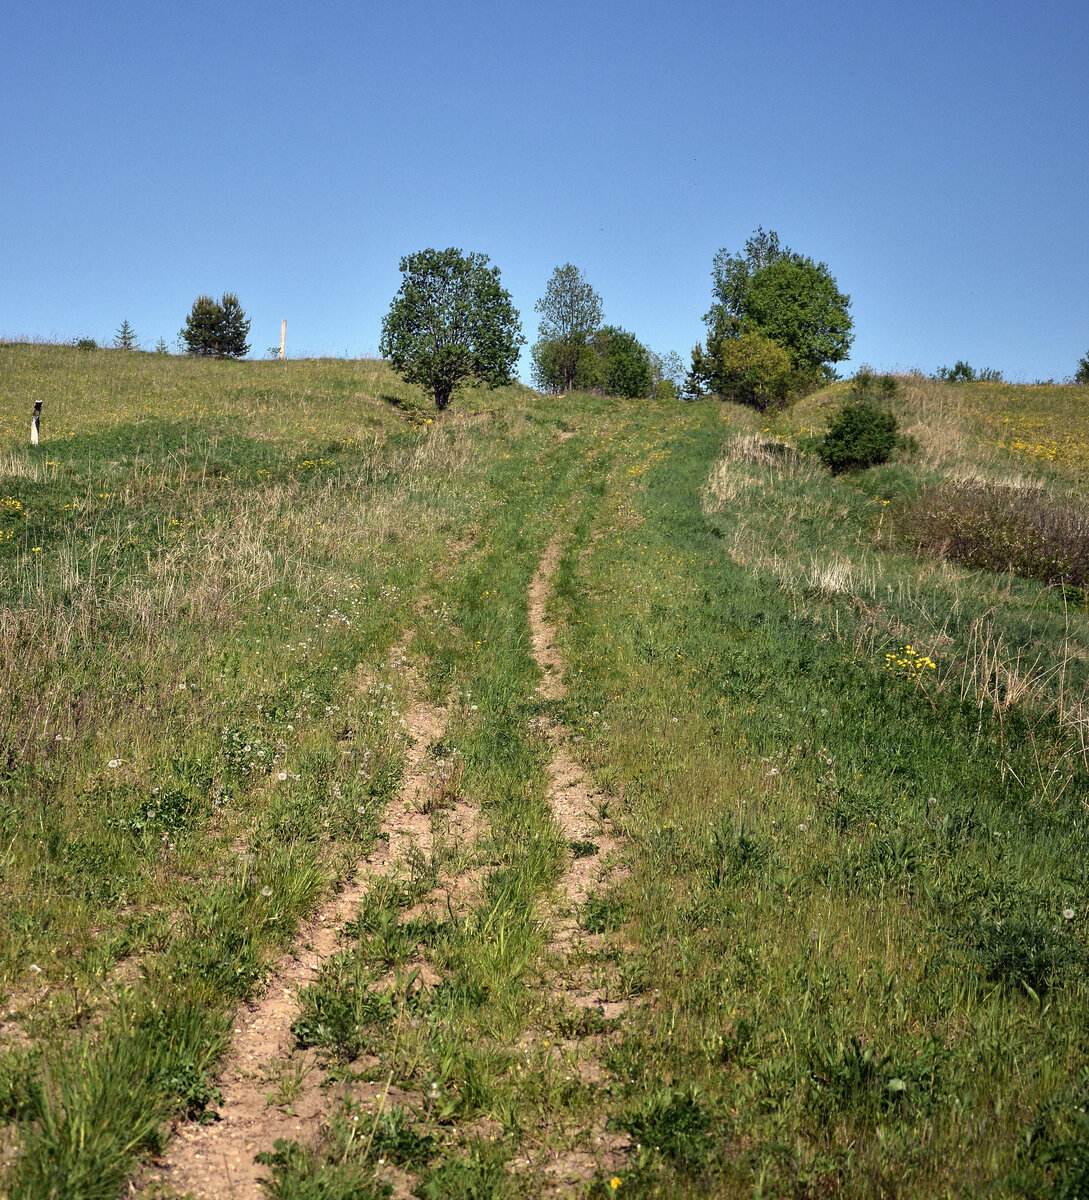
[
  {"x": 283, "y": 339},
  {"x": 36, "y": 423}
]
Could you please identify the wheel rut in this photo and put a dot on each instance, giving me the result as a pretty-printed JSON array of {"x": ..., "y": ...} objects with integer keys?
[
  {"x": 213, "y": 1161},
  {"x": 580, "y": 810}
]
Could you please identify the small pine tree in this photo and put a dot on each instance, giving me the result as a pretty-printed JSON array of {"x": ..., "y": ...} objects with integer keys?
[
  {"x": 216, "y": 328},
  {"x": 125, "y": 338},
  {"x": 161, "y": 347}
]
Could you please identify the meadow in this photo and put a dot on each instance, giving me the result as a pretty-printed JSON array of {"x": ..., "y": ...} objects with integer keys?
[{"x": 836, "y": 944}]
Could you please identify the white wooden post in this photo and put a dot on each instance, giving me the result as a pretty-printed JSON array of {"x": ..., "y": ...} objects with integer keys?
[
  {"x": 283, "y": 339},
  {"x": 35, "y": 422}
]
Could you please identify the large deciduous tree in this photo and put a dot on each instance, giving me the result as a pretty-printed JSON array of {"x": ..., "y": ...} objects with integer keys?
[
  {"x": 570, "y": 316},
  {"x": 450, "y": 323},
  {"x": 774, "y": 295}
]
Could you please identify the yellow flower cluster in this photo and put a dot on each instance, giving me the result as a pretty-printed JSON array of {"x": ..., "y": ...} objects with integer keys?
[{"x": 908, "y": 663}]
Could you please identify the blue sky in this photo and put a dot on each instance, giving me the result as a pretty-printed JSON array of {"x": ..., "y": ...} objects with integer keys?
[{"x": 935, "y": 155}]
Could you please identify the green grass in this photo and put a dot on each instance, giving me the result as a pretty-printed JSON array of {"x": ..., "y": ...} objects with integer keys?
[{"x": 849, "y": 936}]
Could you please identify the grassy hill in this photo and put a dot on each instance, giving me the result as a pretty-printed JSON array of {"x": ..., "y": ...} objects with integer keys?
[{"x": 835, "y": 941}]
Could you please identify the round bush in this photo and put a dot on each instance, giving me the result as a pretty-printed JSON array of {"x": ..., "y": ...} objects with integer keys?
[{"x": 861, "y": 434}]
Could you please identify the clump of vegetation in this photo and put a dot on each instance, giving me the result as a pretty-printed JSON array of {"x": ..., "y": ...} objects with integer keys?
[
  {"x": 1081, "y": 375},
  {"x": 961, "y": 372},
  {"x": 862, "y": 434},
  {"x": 746, "y": 369},
  {"x": 85, "y": 343},
  {"x": 574, "y": 351},
  {"x": 1000, "y": 527},
  {"x": 451, "y": 323},
  {"x": 777, "y": 324}
]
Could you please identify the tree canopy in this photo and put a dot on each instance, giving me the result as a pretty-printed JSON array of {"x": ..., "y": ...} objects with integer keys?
[
  {"x": 451, "y": 322},
  {"x": 795, "y": 302}
]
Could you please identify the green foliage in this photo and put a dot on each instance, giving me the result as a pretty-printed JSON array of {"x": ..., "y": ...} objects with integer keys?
[
  {"x": 961, "y": 372},
  {"x": 674, "y": 1125},
  {"x": 796, "y": 303},
  {"x": 450, "y": 323},
  {"x": 862, "y": 434},
  {"x": 1081, "y": 375},
  {"x": 1022, "y": 951},
  {"x": 125, "y": 338},
  {"x": 866, "y": 384},
  {"x": 299, "y": 1173},
  {"x": 732, "y": 274},
  {"x": 216, "y": 328},
  {"x": 570, "y": 315},
  {"x": 341, "y": 1012},
  {"x": 85, "y": 343},
  {"x": 747, "y": 369},
  {"x": 624, "y": 363},
  {"x": 781, "y": 296},
  {"x": 161, "y": 347},
  {"x": 555, "y": 362},
  {"x": 480, "y": 1176},
  {"x": 667, "y": 375},
  {"x": 612, "y": 362}
]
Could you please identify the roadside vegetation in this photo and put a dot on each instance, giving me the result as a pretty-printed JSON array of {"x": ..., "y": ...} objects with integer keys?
[{"x": 841, "y": 948}]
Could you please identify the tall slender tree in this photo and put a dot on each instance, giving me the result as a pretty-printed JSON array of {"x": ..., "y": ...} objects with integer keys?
[{"x": 570, "y": 316}]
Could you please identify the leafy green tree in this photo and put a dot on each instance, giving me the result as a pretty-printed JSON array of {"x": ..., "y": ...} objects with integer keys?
[
  {"x": 552, "y": 364},
  {"x": 795, "y": 302},
  {"x": 667, "y": 375},
  {"x": 570, "y": 315},
  {"x": 625, "y": 368},
  {"x": 125, "y": 338},
  {"x": 772, "y": 291},
  {"x": 216, "y": 328},
  {"x": 1081, "y": 375},
  {"x": 451, "y": 322}
]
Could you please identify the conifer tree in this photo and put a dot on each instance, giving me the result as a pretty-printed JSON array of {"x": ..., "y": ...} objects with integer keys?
[
  {"x": 216, "y": 328},
  {"x": 125, "y": 338}
]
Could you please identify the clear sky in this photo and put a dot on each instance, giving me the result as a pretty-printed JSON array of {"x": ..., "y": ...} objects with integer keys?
[{"x": 934, "y": 154}]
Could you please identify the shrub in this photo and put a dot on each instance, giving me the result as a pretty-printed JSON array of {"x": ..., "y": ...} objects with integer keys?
[
  {"x": 1000, "y": 528},
  {"x": 85, "y": 343},
  {"x": 961, "y": 372},
  {"x": 862, "y": 434}
]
